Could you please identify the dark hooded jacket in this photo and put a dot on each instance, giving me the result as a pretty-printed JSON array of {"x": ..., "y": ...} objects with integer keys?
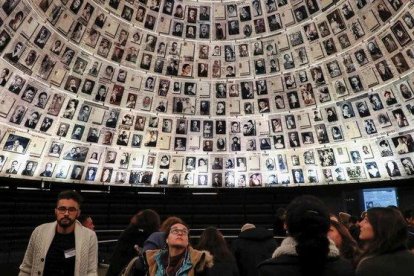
[
  {"x": 285, "y": 261},
  {"x": 125, "y": 248},
  {"x": 410, "y": 242},
  {"x": 251, "y": 248},
  {"x": 399, "y": 262}
]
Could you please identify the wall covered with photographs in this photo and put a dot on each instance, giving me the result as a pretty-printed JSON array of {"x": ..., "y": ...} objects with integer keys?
[{"x": 207, "y": 93}]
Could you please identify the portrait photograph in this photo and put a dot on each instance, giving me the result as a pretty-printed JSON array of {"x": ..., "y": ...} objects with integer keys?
[
  {"x": 54, "y": 13},
  {"x": 389, "y": 43},
  {"x": 76, "y": 173},
  {"x": 403, "y": 144},
  {"x": 55, "y": 149},
  {"x": 336, "y": 22},
  {"x": 90, "y": 173},
  {"x": 400, "y": 63},
  {"x": 5, "y": 39},
  {"x": 400, "y": 34},
  {"x": 16, "y": 52},
  {"x": 344, "y": 41},
  {"x": 355, "y": 172},
  {"x": 76, "y": 153},
  {"x": 357, "y": 30},
  {"x": 62, "y": 171},
  {"x": 29, "y": 58},
  {"x": 372, "y": 169},
  {"x": 274, "y": 22},
  {"x": 29, "y": 93},
  {"x": 407, "y": 165},
  {"x": 42, "y": 37},
  {"x": 337, "y": 134},
  {"x": 180, "y": 144},
  {"x": 404, "y": 89},
  {"x": 16, "y": 143},
  {"x": 17, "y": 114},
  {"x": 300, "y": 13},
  {"x": 327, "y": 157},
  {"x": 136, "y": 140}
]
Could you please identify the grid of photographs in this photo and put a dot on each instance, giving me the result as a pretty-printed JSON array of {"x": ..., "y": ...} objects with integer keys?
[{"x": 176, "y": 93}]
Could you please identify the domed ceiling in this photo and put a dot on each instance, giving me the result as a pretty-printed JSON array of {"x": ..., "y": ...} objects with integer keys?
[{"x": 206, "y": 93}]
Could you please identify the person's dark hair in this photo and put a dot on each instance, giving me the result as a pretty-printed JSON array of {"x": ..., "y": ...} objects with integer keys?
[
  {"x": 20, "y": 13},
  {"x": 394, "y": 207},
  {"x": 69, "y": 194},
  {"x": 281, "y": 213},
  {"x": 353, "y": 219},
  {"x": 147, "y": 220},
  {"x": 213, "y": 241},
  {"x": 307, "y": 221},
  {"x": 409, "y": 213},
  {"x": 83, "y": 217},
  {"x": 383, "y": 143},
  {"x": 390, "y": 231},
  {"x": 168, "y": 222},
  {"x": 278, "y": 225},
  {"x": 349, "y": 247}
]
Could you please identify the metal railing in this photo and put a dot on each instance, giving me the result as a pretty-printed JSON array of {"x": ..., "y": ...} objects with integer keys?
[{"x": 191, "y": 236}]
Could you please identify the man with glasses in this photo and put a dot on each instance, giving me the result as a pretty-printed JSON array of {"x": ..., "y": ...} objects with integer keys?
[{"x": 62, "y": 247}]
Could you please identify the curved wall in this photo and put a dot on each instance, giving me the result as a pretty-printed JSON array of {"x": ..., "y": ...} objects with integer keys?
[{"x": 207, "y": 93}]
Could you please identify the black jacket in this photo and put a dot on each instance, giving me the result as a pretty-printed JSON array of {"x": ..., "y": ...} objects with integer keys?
[
  {"x": 223, "y": 268},
  {"x": 410, "y": 242},
  {"x": 251, "y": 248},
  {"x": 399, "y": 263},
  {"x": 289, "y": 265},
  {"x": 124, "y": 250}
]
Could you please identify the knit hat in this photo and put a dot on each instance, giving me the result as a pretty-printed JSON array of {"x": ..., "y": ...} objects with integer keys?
[{"x": 247, "y": 226}]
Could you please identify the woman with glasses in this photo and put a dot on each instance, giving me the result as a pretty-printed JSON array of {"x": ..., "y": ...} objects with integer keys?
[
  {"x": 157, "y": 239},
  {"x": 178, "y": 258}
]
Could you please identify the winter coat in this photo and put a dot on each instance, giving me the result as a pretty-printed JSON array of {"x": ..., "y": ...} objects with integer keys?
[
  {"x": 223, "y": 268},
  {"x": 285, "y": 261},
  {"x": 125, "y": 250},
  {"x": 155, "y": 241},
  {"x": 251, "y": 248},
  {"x": 196, "y": 263},
  {"x": 410, "y": 242},
  {"x": 399, "y": 263}
]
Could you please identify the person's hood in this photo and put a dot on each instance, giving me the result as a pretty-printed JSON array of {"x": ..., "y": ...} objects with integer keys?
[
  {"x": 257, "y": 233},
  {"x": 288, "y": 247}
]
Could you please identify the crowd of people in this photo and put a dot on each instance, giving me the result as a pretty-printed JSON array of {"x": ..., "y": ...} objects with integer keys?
[{"x": 313, "y": 242}]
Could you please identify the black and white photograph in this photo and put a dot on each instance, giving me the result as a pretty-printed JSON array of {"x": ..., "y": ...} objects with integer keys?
[
  {"x": 339, "y": 75},
  {"x": 400, "y": 34},
  {"x": 16, "y": 143},
  {"x": 17, "y": 114},
  {"x": 336, "y": 22},
  {"x": 15, "y": 53},
  {"x": 76, "y": 153},
  {"x": 389, "y": 43}
]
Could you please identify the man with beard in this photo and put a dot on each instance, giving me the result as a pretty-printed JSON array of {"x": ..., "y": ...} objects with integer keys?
[{"x": 62, "y": 247}]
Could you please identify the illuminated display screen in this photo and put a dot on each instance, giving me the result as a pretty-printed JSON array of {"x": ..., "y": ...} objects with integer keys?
[{"x": 381, "y": 197}]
